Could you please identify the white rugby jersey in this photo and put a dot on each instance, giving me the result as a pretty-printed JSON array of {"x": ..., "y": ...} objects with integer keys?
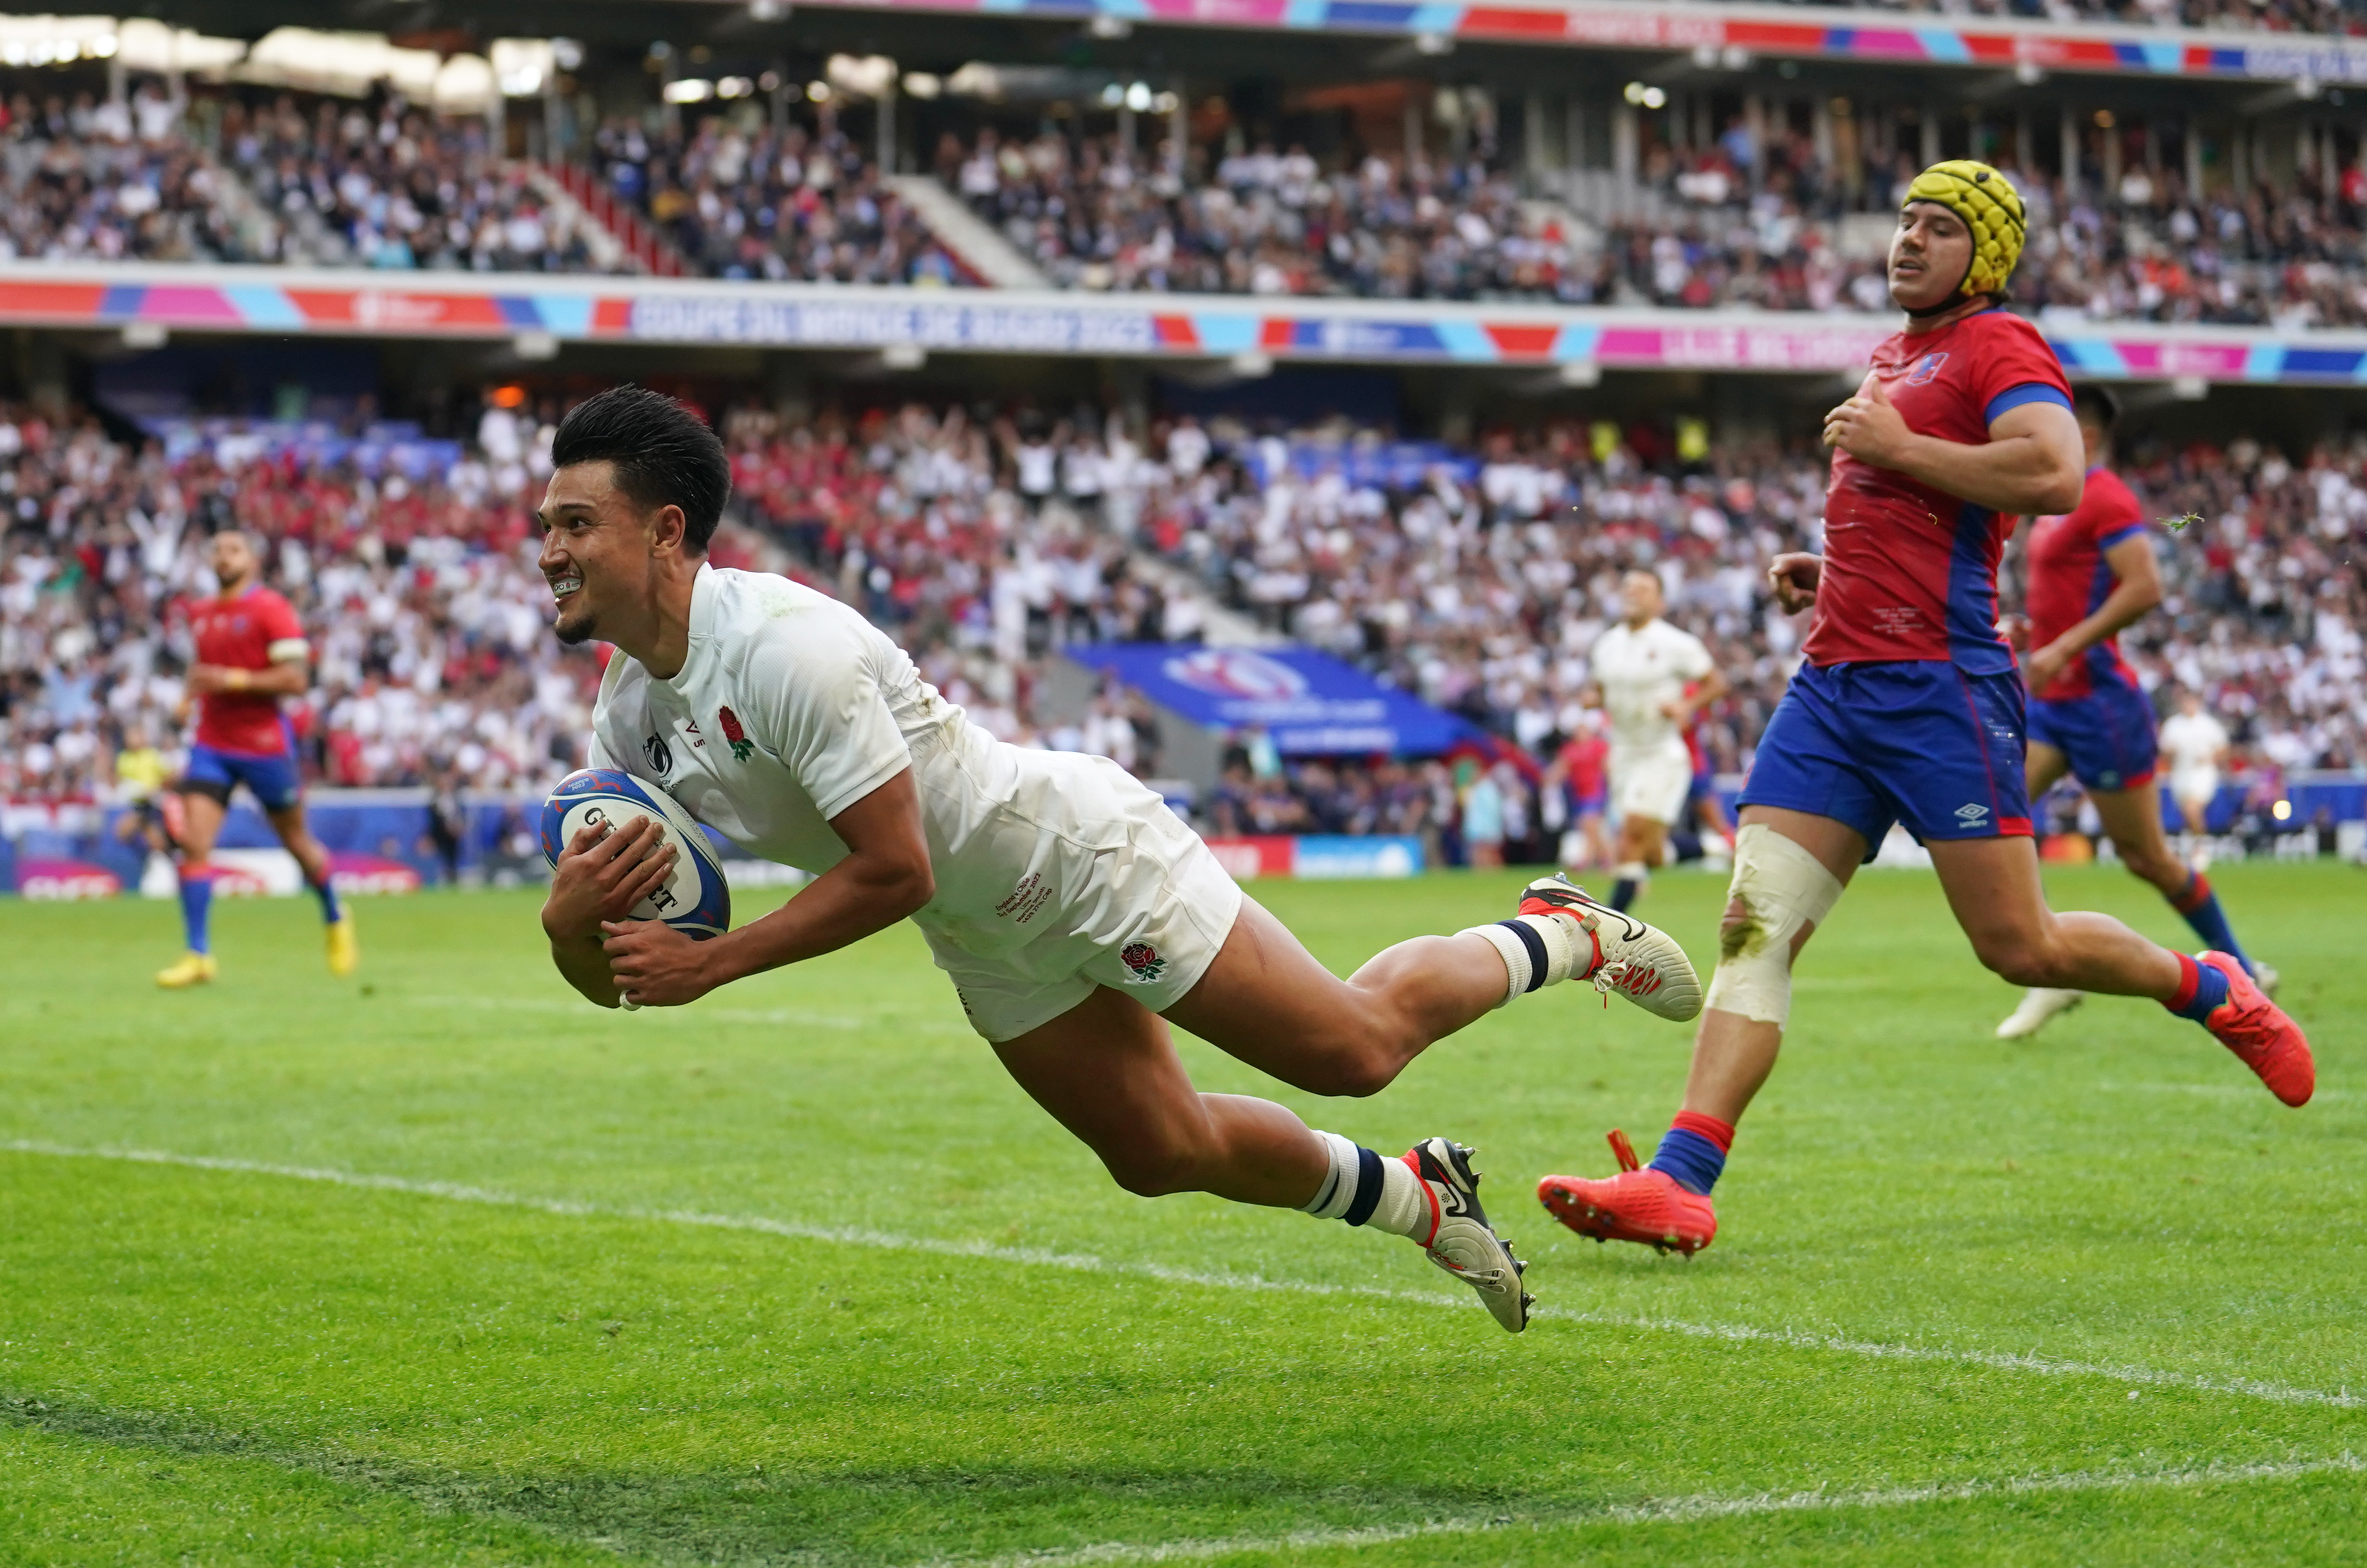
[
  {"x": 790, "y": 707},
  {"x": 1641, "y": 671},
  {"x": 2192, "y": 741}
]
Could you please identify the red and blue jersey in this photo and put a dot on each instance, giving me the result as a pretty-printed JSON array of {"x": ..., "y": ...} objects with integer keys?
[
  {"x": 1910, "y": 572},
  {"x": 2070, "y": 580},
  {"x": 246, "y": 632}
]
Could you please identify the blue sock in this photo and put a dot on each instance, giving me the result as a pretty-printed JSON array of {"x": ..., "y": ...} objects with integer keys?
[
  {"x": 196, "y": 903},
  {"x": 2201, "y": 989},
  {"x": 327, "y": 895},
  {"x": 1693, "y": 1151},
  {"x": 2200, "y": 906}
]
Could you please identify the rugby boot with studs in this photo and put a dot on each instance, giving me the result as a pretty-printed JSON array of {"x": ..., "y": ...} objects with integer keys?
[
  {"x": 1638, "y": 1204},
  {"x": 1459, "y": 1239},
  {"x": 1630, "y": 957},
  {"x": 2260, "y": 1034}
]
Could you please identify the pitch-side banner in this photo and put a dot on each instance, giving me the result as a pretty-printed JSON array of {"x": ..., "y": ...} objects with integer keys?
[
  {"x": 1311, "y": 704},
  {"x": 538, "y": 312}
]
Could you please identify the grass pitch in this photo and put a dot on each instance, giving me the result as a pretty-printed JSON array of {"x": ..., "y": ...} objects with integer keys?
[{"x": 445, "y": 1268}]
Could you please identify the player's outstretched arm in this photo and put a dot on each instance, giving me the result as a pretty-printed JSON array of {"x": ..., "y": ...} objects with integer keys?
[
  {"x": 2032, "y": 462},
  {"x": 603, "y": 873},
  {"x": 885, "y": 877}
]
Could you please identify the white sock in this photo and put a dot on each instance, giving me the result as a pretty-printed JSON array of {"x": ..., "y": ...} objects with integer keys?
[
  {"x": 1366, "y": 1189},
  {"x": 1538, "y": 951},
  {"x": 1338, "y": 1193},
  {"x": 1404, "y": 1209},
  {"x": 1633, "y": 870}
]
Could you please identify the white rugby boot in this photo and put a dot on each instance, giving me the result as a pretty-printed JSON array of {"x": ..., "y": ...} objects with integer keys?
[
  {"x": 2038, "y": 1004},
  {"x": 1633, "y": 958},
  {"x": 1459, "y": 1238},
  {"x": 2265, "y": 975}
]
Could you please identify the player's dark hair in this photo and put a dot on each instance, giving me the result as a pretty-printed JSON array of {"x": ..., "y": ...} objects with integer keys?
[
  {"x": 2090, "y": 402},
  {"x": 665, "y": 455}
]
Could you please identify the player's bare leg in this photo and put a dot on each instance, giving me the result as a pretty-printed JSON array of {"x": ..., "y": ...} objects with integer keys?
[
  {"x": 1107, "y": 1071},
  {"x": 1643, "y": 846},
  {"x": 1992, "y": 885},
  {"x": 2132, "y": 819},
  {"x": 344, "y": 949},
  {"x": 201, "y": 820}
]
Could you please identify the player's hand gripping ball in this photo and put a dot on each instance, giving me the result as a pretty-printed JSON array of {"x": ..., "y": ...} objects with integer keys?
[{"x": 694, "y": 899}]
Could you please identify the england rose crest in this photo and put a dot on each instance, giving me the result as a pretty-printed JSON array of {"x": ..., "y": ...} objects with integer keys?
[
  {"x": 1143, "y": 959},
  {"x": 729, "y": 722}
]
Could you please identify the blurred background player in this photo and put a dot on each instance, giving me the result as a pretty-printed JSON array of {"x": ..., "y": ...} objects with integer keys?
[
  {"x": 1654, "y": 678},
  {"x": 1710, "y": 822},
  {"x": 2091, "y": 574},
  {"x": 1580, "y": 776},
  {"x": 250, "y": 653},
  {"x": 2196, "y": 745},
  {"x": 140, "y": 774},
  {"x": 1907, "y": 708}
]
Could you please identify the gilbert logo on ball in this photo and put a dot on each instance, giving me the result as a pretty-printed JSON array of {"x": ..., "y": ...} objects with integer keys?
[{"x": 694, "y": 899}]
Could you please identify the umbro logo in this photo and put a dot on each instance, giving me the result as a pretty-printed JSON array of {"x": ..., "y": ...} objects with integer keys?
[{"x": 1968, "y": 815}]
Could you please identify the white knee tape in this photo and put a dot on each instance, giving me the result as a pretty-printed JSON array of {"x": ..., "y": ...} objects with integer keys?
[{"x": 1783, "y": 890}]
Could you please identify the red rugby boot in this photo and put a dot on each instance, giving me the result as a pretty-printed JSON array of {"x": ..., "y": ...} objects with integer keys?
[
  {"x": 2262, "y": 1037},
  {"x": 1638, "y": 1204}
]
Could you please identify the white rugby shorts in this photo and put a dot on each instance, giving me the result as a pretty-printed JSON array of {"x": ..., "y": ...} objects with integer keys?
[
  {"x": 2194, "y": 783},
  {"x": 1118, "y": 892},
  {"x": 1651, "y": 780}
]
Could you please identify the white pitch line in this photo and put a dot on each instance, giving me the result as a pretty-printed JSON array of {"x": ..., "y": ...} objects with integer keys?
[
  {"x": 1672, "y": 1510},
  {"x": 1087, "y": 1263}
]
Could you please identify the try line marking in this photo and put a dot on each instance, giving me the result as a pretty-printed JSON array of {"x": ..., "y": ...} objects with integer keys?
[
  {"x": 1037, "y": 1258},
  {"x": 1675, "y": 1510}
]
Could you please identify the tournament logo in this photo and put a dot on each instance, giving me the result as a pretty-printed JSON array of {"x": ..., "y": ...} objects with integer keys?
[
  {"x": 1144, "y": 960},
  {"x": 729, "y": 722},
  {"x": 660, "y": 754},
  {"x": 1925, "y": 368}
]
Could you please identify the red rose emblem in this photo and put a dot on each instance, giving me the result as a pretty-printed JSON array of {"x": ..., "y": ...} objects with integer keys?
[{"x": 729, "y": 722}]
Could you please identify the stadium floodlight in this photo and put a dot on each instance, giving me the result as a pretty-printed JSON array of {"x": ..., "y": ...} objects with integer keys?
[
  {"x": 1643, "y": 95},
  {"x": 689, "y": 90},
  {"x": 1111, "y": 28},
  {"x": 534, "y": 345},
  {"x": 734, "y": 87},
  {"x": 1434, "y": 43},
  {"x": 921, "y": 85},
  {"x": 1137, "y": 97}
]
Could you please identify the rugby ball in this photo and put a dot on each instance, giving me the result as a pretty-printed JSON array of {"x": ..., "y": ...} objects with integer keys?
[{"x": 695, "y": 899}]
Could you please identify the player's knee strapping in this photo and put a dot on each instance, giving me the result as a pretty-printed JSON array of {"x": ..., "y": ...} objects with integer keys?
[{"x": 1782, "y": 890}]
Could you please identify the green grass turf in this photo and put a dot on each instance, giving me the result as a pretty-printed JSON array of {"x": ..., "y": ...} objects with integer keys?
[{"x": 222, "y": 1366}]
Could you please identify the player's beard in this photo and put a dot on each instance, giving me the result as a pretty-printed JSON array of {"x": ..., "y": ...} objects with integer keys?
[{"x": 575, "y": 622}]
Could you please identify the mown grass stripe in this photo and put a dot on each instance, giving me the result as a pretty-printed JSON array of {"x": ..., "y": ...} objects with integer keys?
[
  {"x": 1738, "y": 1333},
  {"x": 1676, "y": 1510}
]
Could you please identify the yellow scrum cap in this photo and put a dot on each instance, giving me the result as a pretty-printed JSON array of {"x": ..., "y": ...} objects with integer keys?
[{"x": 1990, "y": 208}]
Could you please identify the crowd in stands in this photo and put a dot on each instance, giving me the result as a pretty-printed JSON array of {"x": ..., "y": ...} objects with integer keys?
[
  {"x": 986, "y": 541},
  {"x": 802, "y": 202},
  {"x": 1259, "y": 221},
  {"x": 1755, "y": 222},
  {"x": 1755, "y": 219},
  {"x": 386, "y": 184},
  {"x": 88, "y": 179}
]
